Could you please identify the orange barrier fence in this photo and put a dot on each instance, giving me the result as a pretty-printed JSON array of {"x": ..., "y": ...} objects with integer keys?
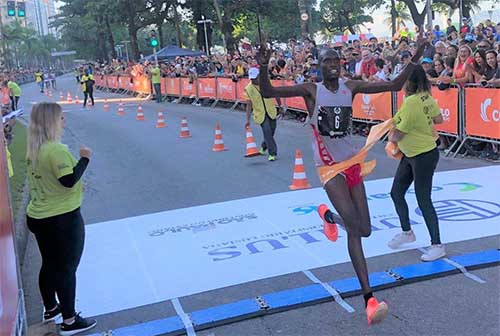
[
  {"x": 377, "y": 106},
  {"x": 469, "y": 112},
  {"x": 9, "y": 299},
  {"x": 483, "y": 117}
]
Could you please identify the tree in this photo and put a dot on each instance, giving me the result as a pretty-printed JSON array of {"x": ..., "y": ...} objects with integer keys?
[
  {"x": 396, "y": 15},
  {"x": 341, "y": 15}
]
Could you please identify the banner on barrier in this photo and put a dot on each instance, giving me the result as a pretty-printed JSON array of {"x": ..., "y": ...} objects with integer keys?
[
  {"x": 173, "y": 86},
  {"x": 447, "y": 101},
  {"x": 376, "y": 106},
  {"x": 294, "y": 103},
  {"x": 482, "y": 117},
  {"x": 188, "y": 88},
  {"x": 206, "y": 88},
  {"x": 226, "y": 90},
  {"x": 8, "y": 273},
  {"x": 240, "y": 89}
]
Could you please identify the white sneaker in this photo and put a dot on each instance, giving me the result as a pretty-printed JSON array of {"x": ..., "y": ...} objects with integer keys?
[
  {"x": 433, "y": 253},
  {"x": 404, "y": 237}
]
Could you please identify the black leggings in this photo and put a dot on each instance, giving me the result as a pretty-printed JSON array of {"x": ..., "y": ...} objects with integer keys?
[
  {"x": 60, "y": 240},
  {"x": 14, "y": 101},
  {"x": 89, "y": 93},
  {"x": 420, "y": 169}
]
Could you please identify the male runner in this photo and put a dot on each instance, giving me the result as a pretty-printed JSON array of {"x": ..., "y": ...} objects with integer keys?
[{"x": 329, "y": 105}]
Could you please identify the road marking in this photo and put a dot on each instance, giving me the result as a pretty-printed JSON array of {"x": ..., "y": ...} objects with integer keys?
[
  {"x": 184, "y": 317},
  {"x": 330, "y": 290}
]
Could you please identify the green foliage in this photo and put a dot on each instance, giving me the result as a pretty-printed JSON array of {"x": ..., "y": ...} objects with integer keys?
[
  {"x": 340, "y": 15},
  {"x": 18, "y": 157}
]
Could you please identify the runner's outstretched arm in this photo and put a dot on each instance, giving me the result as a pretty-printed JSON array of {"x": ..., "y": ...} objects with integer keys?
[
  {"x": 358, "y": 86},
  {"x": 306, "y": 90}
]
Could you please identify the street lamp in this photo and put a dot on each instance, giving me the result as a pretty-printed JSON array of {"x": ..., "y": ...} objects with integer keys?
[{"x": 205, "y": 30}]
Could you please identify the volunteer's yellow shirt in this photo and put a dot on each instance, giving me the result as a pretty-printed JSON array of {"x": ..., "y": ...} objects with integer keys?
[
  {"x": 155, "y": 75},
  {"x": 48, "y": 197},
  {"x": 415, "y": 119},
  {"x": 16, "y": 90}
]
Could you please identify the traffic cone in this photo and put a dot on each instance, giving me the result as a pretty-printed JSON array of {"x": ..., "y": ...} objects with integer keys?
[
  {"x": 140, "y": 113},
  {"x": 184, "y": 129},
  {"x": 77, "y": 101},
  {"x": 218, "y": 143},
  {"x": 68, "y": 98},
  {"x": 61, "y": 95},
  {"x": 251, "y": 145},
  {"x": 106, "y": 106},
  {"x": 160, "y": 123},
  {"x": 299, "y": 173},
  {"x": 121, "y": 111}
]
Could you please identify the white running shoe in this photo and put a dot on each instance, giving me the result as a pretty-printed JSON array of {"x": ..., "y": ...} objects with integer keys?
[
  {"x": 404, "y": 237},
  {"x": 433, "y": 253}
]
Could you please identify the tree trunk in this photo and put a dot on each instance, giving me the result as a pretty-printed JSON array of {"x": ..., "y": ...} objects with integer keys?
[
  {"x": 111, "y": 39},
  {"x": 134, "y": 45},
  {"x": 219, "y": 19},
  {"x": 177, "y": 26},
  {"x": 132, "y": 30},
  {"x": 228, "y": 33},
  {"x": 418, "y": 18},
  {"x": 394, "y": 13}
]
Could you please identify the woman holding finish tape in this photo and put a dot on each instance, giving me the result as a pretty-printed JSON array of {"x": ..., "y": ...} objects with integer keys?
[
  {"x": 415, "y": 137},
  {"x": 53, "y": 214}
]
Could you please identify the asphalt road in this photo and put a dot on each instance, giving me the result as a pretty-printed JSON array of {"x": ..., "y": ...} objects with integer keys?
[{"x": 137, "y": 169}]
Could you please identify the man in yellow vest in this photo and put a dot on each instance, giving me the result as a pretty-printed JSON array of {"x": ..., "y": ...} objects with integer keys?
[
  {"x": 87, "y": 81},
  {"x": 39, "y": 79},
  {"x": 156, "y": 80},
  {"x": 264, "y": 113}
]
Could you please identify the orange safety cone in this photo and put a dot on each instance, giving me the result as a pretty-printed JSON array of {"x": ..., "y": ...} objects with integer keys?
[
  {"x": 251, "y": 145},
  {"x": 140, "y": 113},
  {"x": 68, "y": 98},
  {"x": 160, "y": 123},
  {"x": 218, "y": 143},
  {"x": 121, "y": 111},
  {"x": 299, "y": 173},
  {"x": 184, "y": 129},
  {"x": 61, "y": 95},
  {"x": 106, "y": 106},
  {"x": 77, "y": 101}
]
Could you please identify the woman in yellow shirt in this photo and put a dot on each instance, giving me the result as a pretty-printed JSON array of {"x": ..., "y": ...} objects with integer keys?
[
  {"x": 53, "y": 214},
  {"x": 414, "y": 135}
]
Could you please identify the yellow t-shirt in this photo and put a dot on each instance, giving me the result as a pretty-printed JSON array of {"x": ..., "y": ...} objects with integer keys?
[
  {"x": 14, "y": 88},
  {"x": 415, "y": 119},
  {"x": 38, "y": 77},
  {"x": 48, "y": 197},
  {"x": 155, "y": 75},
  {"x": 259, "y": 112}
]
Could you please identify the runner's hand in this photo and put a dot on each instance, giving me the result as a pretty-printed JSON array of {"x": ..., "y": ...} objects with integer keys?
[
  {"x": 247, "y": 124},
  {"x": 264, "y": 54}
]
